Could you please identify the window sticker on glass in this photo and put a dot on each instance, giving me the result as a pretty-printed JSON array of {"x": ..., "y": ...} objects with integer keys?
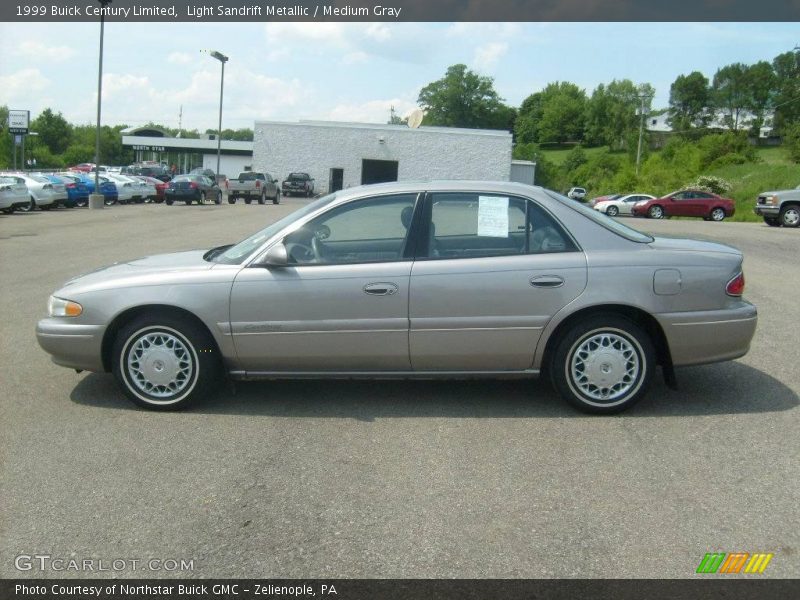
[{"x": 492, "y": 216}]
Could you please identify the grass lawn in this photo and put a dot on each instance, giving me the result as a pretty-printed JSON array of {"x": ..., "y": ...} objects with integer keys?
[{"x": 773, "y": 172}]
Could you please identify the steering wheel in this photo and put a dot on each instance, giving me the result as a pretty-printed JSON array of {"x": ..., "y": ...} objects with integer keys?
[{"x": 302, "y": 254}]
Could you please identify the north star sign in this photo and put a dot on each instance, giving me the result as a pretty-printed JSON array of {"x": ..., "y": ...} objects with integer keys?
[{"x": 18, "y": 121}]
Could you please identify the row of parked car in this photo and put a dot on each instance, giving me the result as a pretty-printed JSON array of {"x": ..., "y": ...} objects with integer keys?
[
  {"x": 683, "y": 203},
  {"x": 23, "y": 191}
]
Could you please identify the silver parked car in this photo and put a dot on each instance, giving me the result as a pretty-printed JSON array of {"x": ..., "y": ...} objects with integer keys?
[{"x": 444, "y": 279}]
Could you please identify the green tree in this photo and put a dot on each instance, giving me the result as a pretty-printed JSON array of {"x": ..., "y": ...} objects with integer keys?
[
  {"x": 612, "y": 112},
  {"x": 786, "y": 100},
  {"x": 762, "y": 85},
  {"x": 690, "y": 106},
  {"x": 53, "y": 129},
  {"x": 462, "y": 98},
  {"x": 791, "y": 140},
  {"x": 554, "y": 115},
  {"x": 731, "y": 93}
]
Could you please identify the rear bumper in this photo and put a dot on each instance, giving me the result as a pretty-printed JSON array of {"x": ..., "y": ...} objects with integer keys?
[
  {"x": 697, "y": 338},
  {"x": 72, "y": 345}
]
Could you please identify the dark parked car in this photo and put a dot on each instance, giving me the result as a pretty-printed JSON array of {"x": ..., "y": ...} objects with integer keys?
[
  {"x": 298, "y": 183},
  {"x": 192, "y": 188},
  {"x": 686, "y": 203}
]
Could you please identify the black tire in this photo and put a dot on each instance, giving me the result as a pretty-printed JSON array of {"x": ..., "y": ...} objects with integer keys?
[
  {"x": 603, "y": 348},
  {"x": 188, "y": 202},
  {"x": 109, "y": 201},
  {"x": 772, "y": 221},
  {"x": 168, "y": 201},
  {"x": 247, "y": 200},
  {"x": 82, "y": 203},
  {"x": 231, "y": 199},
  {"x": 175, "y": 353},
  {"x": 717, "y": 214},
  {"x": 27, "y": 207},
  {"x": 277, "y": 199},
  {"x": 612, "y": 211},
  {"x": 790, "y": 215},
  {"x": 262, "y": 199},
  {"x": 655, "y": 212},
  {"x": 218, "y": 198}
]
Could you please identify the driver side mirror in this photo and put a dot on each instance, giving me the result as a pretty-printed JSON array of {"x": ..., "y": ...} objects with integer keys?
[{"x": 276, "y": 256}]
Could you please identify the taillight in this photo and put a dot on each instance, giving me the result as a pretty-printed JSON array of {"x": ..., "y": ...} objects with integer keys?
[
  {"x": 193, "y": 185},
  {"x": 70, "y": 186},
  {"x": 735, "y": 286},
  {"x": 258, "y": 183}
]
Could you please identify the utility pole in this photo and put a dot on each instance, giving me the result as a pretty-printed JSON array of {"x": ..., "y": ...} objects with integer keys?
[{"x": 643, "y": 95}]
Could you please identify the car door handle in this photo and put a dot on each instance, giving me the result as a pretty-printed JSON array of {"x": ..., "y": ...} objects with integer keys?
[
  {"x": 380, "y": 289},
  {"x": 547, "y": 281}
]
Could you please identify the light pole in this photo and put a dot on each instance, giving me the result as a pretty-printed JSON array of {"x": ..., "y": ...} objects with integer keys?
[
  {"x": 96, "y": 199},
  {"x": 643, "y": 95},
  {"x": 222, "y": 59}
]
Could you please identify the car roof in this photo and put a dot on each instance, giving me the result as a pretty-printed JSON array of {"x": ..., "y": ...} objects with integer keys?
[{"x": 461, "y": 185}]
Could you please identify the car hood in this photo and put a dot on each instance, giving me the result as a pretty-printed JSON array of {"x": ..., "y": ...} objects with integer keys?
[
  {"x": 687, "y": 245},
  {"x": 158, "y": 269},
  {"x": 793, "y": 191}
]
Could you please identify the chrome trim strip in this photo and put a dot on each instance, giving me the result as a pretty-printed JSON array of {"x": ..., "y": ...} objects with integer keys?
[
  {"x": 747, "y": 320},
  {"x": 381, "y": 374}
]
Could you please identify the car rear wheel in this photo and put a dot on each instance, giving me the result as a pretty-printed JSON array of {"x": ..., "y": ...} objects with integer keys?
[
  {"x": 27, "y": 207},
  {"x": 247, "y": 200},
  {"x": 218, "y": 198},
  {"x": 168, "y": 201},
  {"x": 165, "y": 362},
  {"x": 772, "y": 221},
  {"x": 603, "y": 364},
  {"x": 612, "y": 211},
  {"x": 109, "y": 201},
  {"x": 262, "y": 199},
  {"x": 718, "y": 214},
  {"x": 231, "y": 199},
  {"x": 655, "y": 212},
  {"x": 277, "y": 199},
  {"x": 790, "y": 216}
]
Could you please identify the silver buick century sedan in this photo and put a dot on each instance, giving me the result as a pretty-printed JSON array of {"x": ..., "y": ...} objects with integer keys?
[{"x": 412, "y": 280}]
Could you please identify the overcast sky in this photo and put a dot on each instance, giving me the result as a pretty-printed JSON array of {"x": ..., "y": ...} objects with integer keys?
[{"x": 338, "y": 71}]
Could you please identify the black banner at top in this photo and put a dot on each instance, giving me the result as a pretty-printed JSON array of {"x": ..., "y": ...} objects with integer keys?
[{"x": 400, "y": 10}]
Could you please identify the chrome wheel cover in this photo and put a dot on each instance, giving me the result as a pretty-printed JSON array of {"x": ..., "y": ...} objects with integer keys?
[
  {"x": 791, "y": 216},
  {"x": 656, "y": 212},
  {"x": 160, "y": 364},
  {"x": 717, "y": 214},
  {"x": 605, "y": 367}
]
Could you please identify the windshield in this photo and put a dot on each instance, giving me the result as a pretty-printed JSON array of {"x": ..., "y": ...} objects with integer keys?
[
  {"x": 627, "y": 232},
  {"x": 237, "y": 254}
]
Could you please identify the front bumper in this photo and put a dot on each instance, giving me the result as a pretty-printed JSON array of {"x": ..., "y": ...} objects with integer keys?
[
  {"x": 697, "y": 338},
  {"x": 73, "y": 345},
  {"x": 767, "y": 210}
]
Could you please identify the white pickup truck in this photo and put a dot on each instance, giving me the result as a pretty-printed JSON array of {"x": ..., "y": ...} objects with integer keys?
[
  {"x": 780, "y": 207},
  {"x": 254, "y": 185}
]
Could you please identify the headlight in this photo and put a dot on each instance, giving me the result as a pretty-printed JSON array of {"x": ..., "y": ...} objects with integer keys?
[
  {"x": 771, "y": 200},
  {"x": 58, "y": 307}
]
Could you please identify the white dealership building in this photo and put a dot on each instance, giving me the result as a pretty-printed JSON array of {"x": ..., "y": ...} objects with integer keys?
[{"x": 341, "y": 155}]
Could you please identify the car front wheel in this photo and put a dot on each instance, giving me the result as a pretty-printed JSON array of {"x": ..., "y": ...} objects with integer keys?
[
  {"x": 603, "y": 364},
  {"x": 165, "y": 362},
  {"x": 612, "y": 211},
  {"x": 790, "y": 216},
  {"x": 655, "y": 212}
]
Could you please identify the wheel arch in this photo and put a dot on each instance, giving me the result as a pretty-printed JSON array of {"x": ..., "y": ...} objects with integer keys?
[
  {"x": 132, "y": 313},
  {"x": 641, "y": 317}
]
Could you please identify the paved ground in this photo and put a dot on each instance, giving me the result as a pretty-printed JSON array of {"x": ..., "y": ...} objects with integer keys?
[{"x": 388, "y": 479}]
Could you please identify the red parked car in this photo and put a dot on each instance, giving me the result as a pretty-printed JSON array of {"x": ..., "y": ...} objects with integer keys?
[{"x": 686, "y": 203}]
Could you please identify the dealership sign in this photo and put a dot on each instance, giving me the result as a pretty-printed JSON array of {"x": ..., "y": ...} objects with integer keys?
[{"x": 18, "y": 121}]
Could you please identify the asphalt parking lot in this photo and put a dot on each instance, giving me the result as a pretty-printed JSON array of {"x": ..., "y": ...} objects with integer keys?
[{"x": 389, "y": 479}]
